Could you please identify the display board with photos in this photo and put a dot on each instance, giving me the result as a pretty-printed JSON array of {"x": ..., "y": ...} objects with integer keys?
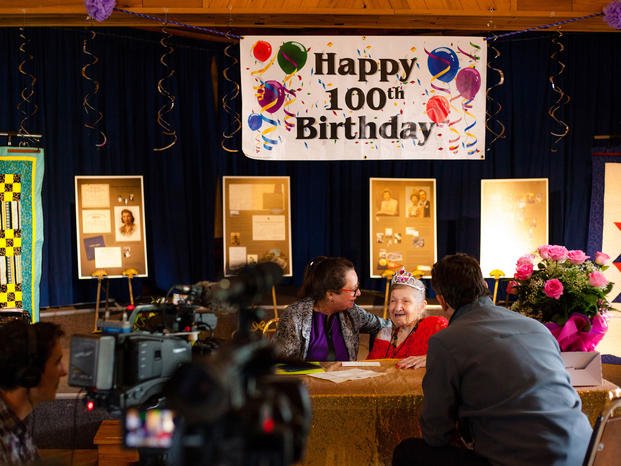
[
  {"x": 257, "y": 222},
  {"x": 110, "y": 225},
  {"x": 402, "y": 214},
  {"x": 514, "y": 221}
]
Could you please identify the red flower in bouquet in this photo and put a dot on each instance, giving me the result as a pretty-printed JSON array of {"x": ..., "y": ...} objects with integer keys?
[{"x": 566, "y": 291}]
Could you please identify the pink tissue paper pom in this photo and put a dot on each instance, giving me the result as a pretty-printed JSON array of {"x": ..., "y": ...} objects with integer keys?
[
  {"x": 99, "y": 10},
  {"x": 612, "y": 14}
]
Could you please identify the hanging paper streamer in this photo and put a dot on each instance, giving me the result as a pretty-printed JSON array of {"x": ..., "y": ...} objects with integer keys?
[
  {"x": 26, "y": 106},
  {"x": 167, "y": 128},
  {"x": 86, "y": 105},
  {"x": 562, "y": 97},
  {"x": 493, "y": 124},
  {"x": 229, "y": 97}
]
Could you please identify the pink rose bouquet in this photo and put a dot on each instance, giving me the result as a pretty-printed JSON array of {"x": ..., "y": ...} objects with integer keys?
[{"x": 558, "y": 287}]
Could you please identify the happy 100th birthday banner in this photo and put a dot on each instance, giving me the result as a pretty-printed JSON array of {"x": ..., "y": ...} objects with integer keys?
[{"x": 351, "y": 98}]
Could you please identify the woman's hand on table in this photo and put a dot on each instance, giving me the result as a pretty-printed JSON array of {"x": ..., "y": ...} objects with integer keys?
[{"x": 412, "y": 362}]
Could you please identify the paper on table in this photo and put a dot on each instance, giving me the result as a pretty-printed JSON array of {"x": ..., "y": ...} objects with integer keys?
[
  {"x": 360, "y": 363},
  {"x": 344, "y": 376}
]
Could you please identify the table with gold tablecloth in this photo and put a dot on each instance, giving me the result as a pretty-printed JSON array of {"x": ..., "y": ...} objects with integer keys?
[{"x": 360, "y": 422}]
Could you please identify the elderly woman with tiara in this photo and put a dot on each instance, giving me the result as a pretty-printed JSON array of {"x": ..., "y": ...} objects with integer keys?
[
  {"x": 325, "y": 323},
  {"x": 408, "y": 337}
]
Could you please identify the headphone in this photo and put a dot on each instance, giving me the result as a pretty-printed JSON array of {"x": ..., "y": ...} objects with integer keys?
[{"x": 30, "y": 375}]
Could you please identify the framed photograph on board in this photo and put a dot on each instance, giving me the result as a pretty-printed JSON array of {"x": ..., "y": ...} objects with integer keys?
[
  {"x": 110, "y": 225},
  {"x": 514, "y": 221},
  {"x": 402, "y": 214},
  {"x": 257, "y": 222}
]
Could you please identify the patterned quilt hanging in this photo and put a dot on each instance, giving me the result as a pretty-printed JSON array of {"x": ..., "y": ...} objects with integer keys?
[{"x": 21, "y": 228}]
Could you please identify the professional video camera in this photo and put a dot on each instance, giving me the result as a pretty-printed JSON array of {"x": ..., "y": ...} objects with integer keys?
[
  {"x": 231, "y": 409},
  {"x": 123, "y": 370},
  {"x": 119, "y": 370}
]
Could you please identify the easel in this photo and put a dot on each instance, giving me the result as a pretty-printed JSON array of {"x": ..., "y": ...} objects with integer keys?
[
  {"x": 266, "y": 327},
  {"x": 99, "y": 274},
  {"x": 496, "y": 274},
  {"x": 387, "y": 274},
  {"x": 129, "y": 273}
]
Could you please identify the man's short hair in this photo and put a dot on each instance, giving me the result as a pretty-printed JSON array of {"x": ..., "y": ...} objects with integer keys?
[
  {"x": 24, "y": 352},
  {"x": 458, "y": 279}
]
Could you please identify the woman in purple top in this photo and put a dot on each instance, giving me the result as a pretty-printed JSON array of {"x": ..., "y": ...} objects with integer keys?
[{"x": 325, "y": 323}]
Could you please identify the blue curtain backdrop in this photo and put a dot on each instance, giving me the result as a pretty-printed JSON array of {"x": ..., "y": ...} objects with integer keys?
[{"x": 329, "y": 199}]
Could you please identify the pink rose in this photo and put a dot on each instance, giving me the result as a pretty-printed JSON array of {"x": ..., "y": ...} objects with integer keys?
[
  {"x": 557, "y": 253},
  {"x": 544, "y": 251},
  {"x": 527, "y": 259},
  {"x": 577, "y": 257},
  {"x": 553, "y": 288},
  {"x": 523, "y": 271},
  {"x": 512, "y": 287},
  {"x": 601, "y": 258},
  {"x": 597, "y": 279}
]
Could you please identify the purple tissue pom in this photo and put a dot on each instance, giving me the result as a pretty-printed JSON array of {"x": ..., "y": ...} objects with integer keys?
[
  {"x": 612, "y": 14},
  {"x": 99, "y": 10}
]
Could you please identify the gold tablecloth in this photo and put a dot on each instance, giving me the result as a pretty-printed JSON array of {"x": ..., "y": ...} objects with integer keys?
[{"x": 360, "y": 422}]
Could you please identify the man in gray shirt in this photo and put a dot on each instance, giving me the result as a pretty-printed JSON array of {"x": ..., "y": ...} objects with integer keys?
[{"x": 496, "y": 390}]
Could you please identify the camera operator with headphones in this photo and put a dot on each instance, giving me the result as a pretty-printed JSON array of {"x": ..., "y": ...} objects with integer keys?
[{"x": 30, "y": 369}]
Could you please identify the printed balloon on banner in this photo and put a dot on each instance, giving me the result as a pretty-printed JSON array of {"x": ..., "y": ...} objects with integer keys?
[
  {"x": 271, "y": 95},
  {"x": 262, "y": 50},
  {"x": 468, "y": 82},
  {"x": 438, "y": 109},
  {"x": 255, "y": 121},
  {"x": 292, "y": 57},
  {"x": 443, "y": 64}
]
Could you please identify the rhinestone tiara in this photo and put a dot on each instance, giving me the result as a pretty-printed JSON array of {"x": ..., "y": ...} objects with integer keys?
[{"x": 403, "y": 277}]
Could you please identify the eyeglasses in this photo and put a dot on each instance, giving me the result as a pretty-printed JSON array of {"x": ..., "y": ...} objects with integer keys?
[{"x": 353, "y": 292}]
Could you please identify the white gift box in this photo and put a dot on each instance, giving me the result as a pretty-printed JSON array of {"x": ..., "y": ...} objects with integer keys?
[{"x": 584, "y": 368}]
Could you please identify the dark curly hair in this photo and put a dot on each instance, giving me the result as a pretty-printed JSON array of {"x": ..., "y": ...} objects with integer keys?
[{"x": 15, "y": 349}]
